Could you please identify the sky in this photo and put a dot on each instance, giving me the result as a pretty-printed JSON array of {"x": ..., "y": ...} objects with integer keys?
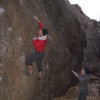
[{"x": 90, "y": 7}]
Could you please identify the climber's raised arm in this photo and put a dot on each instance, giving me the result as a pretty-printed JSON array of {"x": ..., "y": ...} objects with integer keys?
[
  {"x": 39, "y": 22},
  {"x": 35, "y": 17},
  {"x": 75, "y": 73}
]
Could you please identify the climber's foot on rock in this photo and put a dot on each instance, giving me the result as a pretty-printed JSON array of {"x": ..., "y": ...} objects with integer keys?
[
  {"x": 28, "y": 73},
  {"x": 40, "y": 75}
]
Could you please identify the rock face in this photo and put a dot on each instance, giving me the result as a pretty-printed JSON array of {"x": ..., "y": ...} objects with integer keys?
[
  {"x": 92, "y": 32},
  {"x": 63, "y": 53}
]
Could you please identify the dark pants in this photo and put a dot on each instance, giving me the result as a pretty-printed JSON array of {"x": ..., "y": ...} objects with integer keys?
[
  {"x": 82, "y": 96},
  {"x": 37, "y": 57}
]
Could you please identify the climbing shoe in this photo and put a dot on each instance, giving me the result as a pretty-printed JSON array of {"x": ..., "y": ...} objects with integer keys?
[{"x": 28, "y": 74}]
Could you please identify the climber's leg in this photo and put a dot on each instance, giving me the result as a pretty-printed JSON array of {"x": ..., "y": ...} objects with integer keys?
[
  {"x": 80, "y": 96},
  {"x": 39, "y": 64},
  {"x": 40, "y": 74},
  {"x": 40, "y": 69},
  {"x": 84, "y": 96},
  {"x": 29, "y": 60},
  {"x": 30, "y": 69}
]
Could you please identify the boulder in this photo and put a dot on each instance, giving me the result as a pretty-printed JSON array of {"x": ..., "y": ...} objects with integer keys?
[{"x": 63, "y": 53}]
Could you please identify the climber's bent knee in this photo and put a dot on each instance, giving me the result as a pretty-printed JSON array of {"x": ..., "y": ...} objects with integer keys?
[
  {"x": 39, "y": 66},
  {"x": 29, "y": 59},
  {"x": 28, "y": 62},
  {"x": 39, "y": 61}
]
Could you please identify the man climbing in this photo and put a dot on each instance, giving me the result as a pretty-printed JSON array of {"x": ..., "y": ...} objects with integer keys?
[
  {"x": 83, "y": 83},
  {"x": 39, "y": 44}
]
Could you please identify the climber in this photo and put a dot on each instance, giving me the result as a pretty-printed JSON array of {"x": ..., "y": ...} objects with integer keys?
[
  {"x": 39, "y": 43},
  {"x": 83, "y": 83}
]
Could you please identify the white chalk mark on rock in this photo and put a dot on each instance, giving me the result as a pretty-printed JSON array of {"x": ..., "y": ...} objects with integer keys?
[
  {"x": 21, "y": 2},
  {"x": 49, "y": 37},
  {"x": 0, "y": 78},
  {"x": 47, "y": 66},
  {"x": 10, "y": 29},
  {"x": 2, "y": 10},
  {"x": 19, "y": 39}
]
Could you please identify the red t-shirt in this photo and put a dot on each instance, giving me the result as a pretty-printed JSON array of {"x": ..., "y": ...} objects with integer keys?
[{"x": 41, "y": 41}]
